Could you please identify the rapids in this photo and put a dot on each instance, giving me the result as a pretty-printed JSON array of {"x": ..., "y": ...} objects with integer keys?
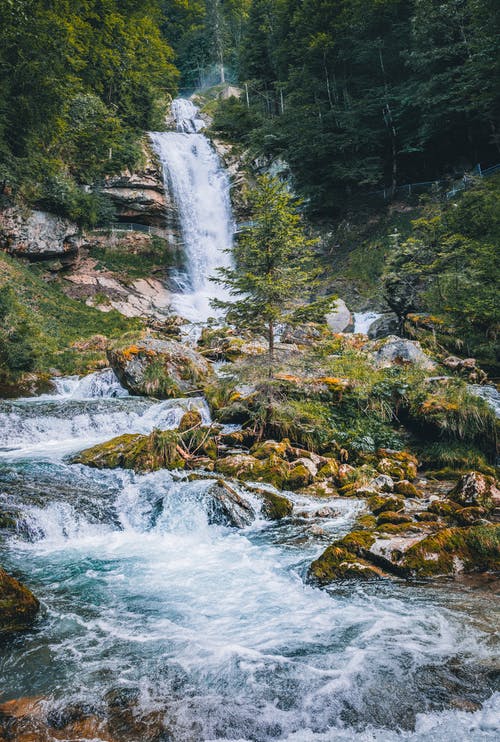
[{"x": 216, "y": 626}]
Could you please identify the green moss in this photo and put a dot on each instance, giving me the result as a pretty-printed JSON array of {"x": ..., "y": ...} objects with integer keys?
[
  {"x": 275, "y": 507},
  {"x": 443, "y": 507},
  {"x": 474, "y": 549},
  {"x": 379, "y": 504},
  {"x": 388, "y": 516},
  {"x": 18, "y": 605},
  {"x": 407, "y": 489},
  {"x": 135, "y": 451},
  {"x": 339, "y": 563}
]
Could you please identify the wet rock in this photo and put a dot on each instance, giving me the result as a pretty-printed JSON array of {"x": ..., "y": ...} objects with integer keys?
[
  {"x": 38, "y": 235},
  {"x": 344, "y": 560},
  {"x": 394, "y": 350},
  {"x": 382, "y": 483},
  {"x": 299, "y": 475},
  {"x": 18, "y": 605},
  {"x": 395, "y": 518},
  {"x": 226, "y": 507},
  {"x": 386, "y": 324},
  {"x": 238, "y": 465},
  {"x": 380, "y": 503},
  {"x": 454, "y": 550},
  {"x": 190, "y": 419},
  {"x": 340, "y": 319},
  {"x": 274, "y": 506},
  {"x": 407, "y": 489},
  {"x": 160, "y": 368},
  {"x": 476, "y": 490},
  {"x": 142, "y": 453}
]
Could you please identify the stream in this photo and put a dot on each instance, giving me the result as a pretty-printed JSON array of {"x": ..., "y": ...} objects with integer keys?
[
  {"x": 214, "y": 628},
  {"x": 213, "y": 625}
]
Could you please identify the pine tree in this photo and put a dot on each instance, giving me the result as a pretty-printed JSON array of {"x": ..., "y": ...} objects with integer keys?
[{"x": 274, "y": 264}]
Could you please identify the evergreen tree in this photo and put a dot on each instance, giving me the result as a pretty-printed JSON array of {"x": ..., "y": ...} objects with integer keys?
[{"x": 274, "y": 264}]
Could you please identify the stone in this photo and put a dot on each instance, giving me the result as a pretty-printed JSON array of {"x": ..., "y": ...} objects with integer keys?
[
  {"x": 386, "y": 324},
  {"x": 382, "y": 483},
  {"x": 455, "y": 550},
  {"x": 476, "y": 490},
  {"x": 340, "y": 318},
  {"x": 394, "y": 350},
  {"x": 160, "y": 368},
  {"x": 226, "y": 507},
  {"x": 407, "y": 489},
  {"x": 190, "y": 419},
  {"x": 380, "y": 503},
  {"x": 18, "y": 605},
  {"x": 38, "y": 235}
]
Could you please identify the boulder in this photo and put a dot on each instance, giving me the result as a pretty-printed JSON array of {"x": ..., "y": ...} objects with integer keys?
[
  {"x": 142, "y": 453},
  {"x": 307, "y": 334},
  {"x": 466, "y": 367},
  {"x": 453, "y": 551},
  {"x": 18, "y": 605},
  {"x": 38, "y": 235},
  {"x": 274, "y": 506},
  {"x": 381, "y": 503},
  {"x": 382, "y": 483},
  {"x": 476, "y": 490},
  {"x": 340, "y": 318},
  {"x": 386, "y": 324},
  {"x": 226, "y": 507},
  {"x": 395, "y": 350},
  {"x": 160, "y": 368},
  {"x": 344, "y": 560}
]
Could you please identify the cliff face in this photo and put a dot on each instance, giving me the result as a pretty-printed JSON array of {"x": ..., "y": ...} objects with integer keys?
[
  {"x": 37, "y": 234},
  {"x": 140, "y": 196}
]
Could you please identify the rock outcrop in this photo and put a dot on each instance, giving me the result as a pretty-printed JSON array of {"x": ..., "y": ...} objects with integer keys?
[
  {"x": 395, "y": 350},
  {"x": 38, "y": 235},
  {"x": 140, "y": 196}
]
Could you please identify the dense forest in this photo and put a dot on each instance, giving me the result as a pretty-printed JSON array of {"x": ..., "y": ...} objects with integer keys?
[{"x": 355, "y": 96}]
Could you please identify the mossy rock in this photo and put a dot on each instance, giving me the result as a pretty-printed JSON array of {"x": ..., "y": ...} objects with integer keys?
[
  {"x": 443, "y": 508},
  {"x": 160, "y": 368},
  {"x": 357, "y": 541},
  {"x": 389, "y": 516},
  {"x": 274, "y": 506},
  {"x": 469, "y": 516},
  {"x": 476, "y": 490},
  {"x": 265, "y": 449},
  {"x": 142, "y": 453},
  {"x": 426, "y": 516},
  {"x": 366, "y": 521},
  {"x": 246, "y": 467},
  {"x": 397, "y": 529},
  {"x": 455, "y": 550},
  {"x": 398, "y": 464},
  {"x": 190, "y": 419},
  {"x": 18, "y": 605},
  {"x": 380, "y": 503},
  {"x": 328, "y": 469},
  {"x": 298, "y": 477},
  {"x": 337, "y": 564},
  {"x": 407, "y": 489}
]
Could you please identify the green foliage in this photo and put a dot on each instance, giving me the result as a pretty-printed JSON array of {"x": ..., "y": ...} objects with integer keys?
[
  {"x": 234, "y": 121},
  {"x": 450, "y": 267},
  {"x": 274, "y": 263},
  {"x": 140, "y": 263},
  {"x": 39, "y": 324},
  {"x": 78, "y": 81}
]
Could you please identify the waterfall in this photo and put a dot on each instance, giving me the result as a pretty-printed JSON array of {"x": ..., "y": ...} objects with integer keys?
[{"x": 200, "y": 188}]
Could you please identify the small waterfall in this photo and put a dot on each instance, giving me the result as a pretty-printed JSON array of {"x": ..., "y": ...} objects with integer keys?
[
  {"x": 200, "y": 187},
  {"x": 364, "y": 320}
]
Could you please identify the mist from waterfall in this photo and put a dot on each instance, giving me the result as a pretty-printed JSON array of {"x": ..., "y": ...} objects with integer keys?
[{"x": 201, "y": 189}]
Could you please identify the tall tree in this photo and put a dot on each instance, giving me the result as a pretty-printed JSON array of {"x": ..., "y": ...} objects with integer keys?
[{"x": 274, "y": 264}]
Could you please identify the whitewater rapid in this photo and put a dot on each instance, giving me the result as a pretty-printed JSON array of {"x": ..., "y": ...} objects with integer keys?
[
  {"x": 201, "y": 190},
  {"x": 216, "y": 626}
]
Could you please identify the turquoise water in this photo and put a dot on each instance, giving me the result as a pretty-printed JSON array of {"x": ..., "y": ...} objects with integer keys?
[{"x": 215, "y": 626}]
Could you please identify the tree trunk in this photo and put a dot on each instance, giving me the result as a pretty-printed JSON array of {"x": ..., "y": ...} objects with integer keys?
[{"x": 270, "y": 341}]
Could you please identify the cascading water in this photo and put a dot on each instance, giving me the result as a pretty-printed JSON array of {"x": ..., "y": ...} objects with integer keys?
[
  {"x": 200, "y": 187},
  {"x": 154, "y": 608}
]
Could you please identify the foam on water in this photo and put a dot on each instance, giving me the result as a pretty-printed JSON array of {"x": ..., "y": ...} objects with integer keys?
[
  {"x": 364, "y": 320},
  {"x": 219, "y": 625},
  {"x": 201, "y": 190},
  {"x": 57, "y": 426}
]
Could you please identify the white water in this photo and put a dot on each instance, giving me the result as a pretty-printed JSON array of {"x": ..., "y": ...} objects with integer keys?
[
  {"x": 216, "y": 627},
  {"x": 364, "y": 320},
  {"x": 489, "y": 393},
  {"x": 200, "y": 187},
  {"x": 42, "y": 427}
]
